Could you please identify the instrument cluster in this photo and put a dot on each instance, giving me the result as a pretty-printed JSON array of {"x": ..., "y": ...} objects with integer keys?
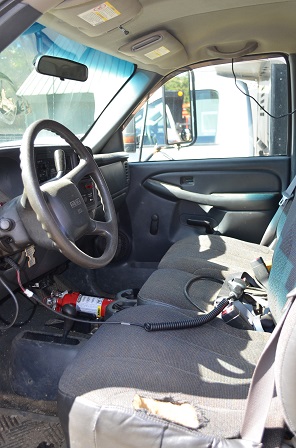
[{"x": 45, "y": 164}]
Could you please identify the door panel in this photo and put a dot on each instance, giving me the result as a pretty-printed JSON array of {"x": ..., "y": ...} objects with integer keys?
[
  {"x": 224, "y": 201},
  {"x": 170, "y": 200}
]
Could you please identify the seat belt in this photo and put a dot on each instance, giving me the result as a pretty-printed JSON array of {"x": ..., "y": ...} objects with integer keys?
[
  {"x": 263, "y": 383},
  {"x": 240, "y": 313},
  {"x": 270, "y": 232}
]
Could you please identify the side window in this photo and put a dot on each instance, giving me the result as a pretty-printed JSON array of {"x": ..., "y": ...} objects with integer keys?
[{"x": 227, "y": 110}]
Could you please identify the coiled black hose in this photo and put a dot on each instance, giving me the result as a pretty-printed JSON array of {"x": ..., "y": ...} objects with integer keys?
[
  {"x": 196, "y": 279},
  {"x": 189, "y": 323}
]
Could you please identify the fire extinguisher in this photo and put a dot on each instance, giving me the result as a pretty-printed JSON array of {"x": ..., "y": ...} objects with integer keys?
[{"x": 96, "y": 306}]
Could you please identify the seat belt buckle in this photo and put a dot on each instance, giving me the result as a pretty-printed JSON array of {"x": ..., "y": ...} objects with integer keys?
[
  {"x": 237, "y": 316},
  {"x": 285, "y": 198},
  {"x": 260, "y": 270}
]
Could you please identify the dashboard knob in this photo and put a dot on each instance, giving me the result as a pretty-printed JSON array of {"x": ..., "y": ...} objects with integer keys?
[{"x": 6, "y": 224}]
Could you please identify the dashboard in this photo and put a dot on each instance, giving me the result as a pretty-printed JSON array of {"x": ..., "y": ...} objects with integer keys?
[
  {"x": 11, "y": 184},
  {"x": 115, "y": 169},
  {"x": 46, "y": 170},
  {"x": 45, "y": 165}
]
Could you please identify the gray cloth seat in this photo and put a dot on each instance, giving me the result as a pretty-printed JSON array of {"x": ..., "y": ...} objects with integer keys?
[
  {"x": 167, "y": 286},
  {"x": 212, "y": 256},
  {"x": 120, "y": 362},
  {"x": 209, "y": 256},
  {"x": 209, "y": 367},
  {"x": 224, "y": 254}
]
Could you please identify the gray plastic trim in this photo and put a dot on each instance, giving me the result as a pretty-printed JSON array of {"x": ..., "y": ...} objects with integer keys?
[
  {"x": 14, "y": 21},
  {"x": 225, "y": 201}
]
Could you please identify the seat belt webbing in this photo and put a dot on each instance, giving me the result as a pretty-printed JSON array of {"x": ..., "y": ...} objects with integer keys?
[
  {"x": 263, "y": 383},
  {"x": 270, "y": 232}
]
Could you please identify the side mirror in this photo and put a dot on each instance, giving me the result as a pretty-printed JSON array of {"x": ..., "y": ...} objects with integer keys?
[
  {"x": 129, "y": 137},
  {"x": 177, "y": 110},
  {"x": 61, "y": 68}
]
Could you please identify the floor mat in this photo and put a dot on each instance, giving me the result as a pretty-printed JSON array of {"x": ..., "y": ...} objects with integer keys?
[{"x": 28, "y": 430}]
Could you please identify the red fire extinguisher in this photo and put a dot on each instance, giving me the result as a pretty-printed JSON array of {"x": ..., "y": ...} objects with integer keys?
[{"x": 96, "y": 306}]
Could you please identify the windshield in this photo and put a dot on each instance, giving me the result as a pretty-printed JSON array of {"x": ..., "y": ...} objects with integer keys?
[{"x": 26, "y": 96}]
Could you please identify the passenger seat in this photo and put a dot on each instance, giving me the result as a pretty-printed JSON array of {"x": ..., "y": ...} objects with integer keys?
[{"x": 210, "y": 257}]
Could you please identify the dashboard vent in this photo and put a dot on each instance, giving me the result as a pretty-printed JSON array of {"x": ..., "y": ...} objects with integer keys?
[{"x": 127, "y": 172}]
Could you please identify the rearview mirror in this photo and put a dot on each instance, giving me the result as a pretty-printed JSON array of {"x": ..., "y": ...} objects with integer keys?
[{"x": 61, "y": 68}]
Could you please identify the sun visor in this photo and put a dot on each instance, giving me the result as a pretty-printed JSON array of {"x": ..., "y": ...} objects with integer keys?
[
  {"x": 95, "y": 18},
  {"x": 159, "y": 48}
]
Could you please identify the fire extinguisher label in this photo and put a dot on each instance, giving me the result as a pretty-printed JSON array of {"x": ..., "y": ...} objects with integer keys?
[{"x": 90, "y": 305}]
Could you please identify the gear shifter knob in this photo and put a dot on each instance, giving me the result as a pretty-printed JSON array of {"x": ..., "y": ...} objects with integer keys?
[{"x": 68, "y": 310}]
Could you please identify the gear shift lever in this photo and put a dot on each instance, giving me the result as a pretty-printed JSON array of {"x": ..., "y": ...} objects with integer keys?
[
  {"x": 68, "y": 310},
  {"x": 60, "y": 162}
]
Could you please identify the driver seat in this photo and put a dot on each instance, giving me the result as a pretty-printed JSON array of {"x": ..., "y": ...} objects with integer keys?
[{"x": 209, "y": 367}]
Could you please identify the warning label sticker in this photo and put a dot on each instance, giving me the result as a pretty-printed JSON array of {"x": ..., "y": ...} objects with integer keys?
[
  {"x": 89, "y": 305},
  {"x": 100, "y": 14},
  {"x": 154, "y": 54}
]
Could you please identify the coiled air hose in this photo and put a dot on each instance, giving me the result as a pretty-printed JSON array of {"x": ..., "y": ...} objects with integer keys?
[{"x": 189, "y": 323}]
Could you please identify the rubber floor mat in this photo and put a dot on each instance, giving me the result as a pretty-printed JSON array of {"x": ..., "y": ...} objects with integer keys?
[{"x": 28, "y": 430}]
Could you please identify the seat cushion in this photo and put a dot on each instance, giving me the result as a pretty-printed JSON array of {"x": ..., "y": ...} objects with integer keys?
[
  {"x": 224, "y": 253},
  {"x": 211, "y": 257},
  {"x": 209, "y": 367},
  {"x": 167, "y": 286}
]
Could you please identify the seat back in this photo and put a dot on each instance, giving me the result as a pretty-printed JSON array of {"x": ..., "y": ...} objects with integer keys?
[
  {"x": 285, "y": 369},
  {"x": 282, "y": 277}
]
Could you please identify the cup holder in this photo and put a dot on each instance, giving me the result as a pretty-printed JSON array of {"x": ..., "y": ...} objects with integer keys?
[{"x": 124, "y": 299}]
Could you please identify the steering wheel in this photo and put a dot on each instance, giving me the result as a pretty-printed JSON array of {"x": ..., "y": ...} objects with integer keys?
[{"x": 58, "y": 204}]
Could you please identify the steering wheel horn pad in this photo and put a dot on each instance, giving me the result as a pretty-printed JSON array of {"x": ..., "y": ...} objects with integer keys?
[{"x": 67, "y": 205}]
